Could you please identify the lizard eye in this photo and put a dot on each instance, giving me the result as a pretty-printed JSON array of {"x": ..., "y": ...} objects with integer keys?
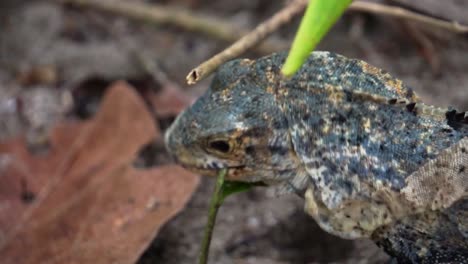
[{"x": 220, "y": 146}]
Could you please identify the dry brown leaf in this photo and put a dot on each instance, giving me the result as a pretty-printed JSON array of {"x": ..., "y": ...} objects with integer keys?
[{"x": 83, "y": 202}]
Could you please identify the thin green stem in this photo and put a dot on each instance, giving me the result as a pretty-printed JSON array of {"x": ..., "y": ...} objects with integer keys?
[{"x": 215, "y": 203}]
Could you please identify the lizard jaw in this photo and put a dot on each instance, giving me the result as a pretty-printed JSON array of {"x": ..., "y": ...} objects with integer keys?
[{"x": 210, "y": 169}]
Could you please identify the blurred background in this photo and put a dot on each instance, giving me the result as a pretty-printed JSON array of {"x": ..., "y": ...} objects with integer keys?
[{"x": 58, "y": 58}]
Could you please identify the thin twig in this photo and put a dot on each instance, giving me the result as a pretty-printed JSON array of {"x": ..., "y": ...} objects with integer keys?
[
  {"x": 160, "y": 14},
  {"x": 285, "y": 15},
  {"x": 216, "y": 201},
  {"x": 248, "y": 41},
  {"x": 219, "y": 29},
  {"x": 180, "y": 17},
  {"x": 407, "y": 14}
]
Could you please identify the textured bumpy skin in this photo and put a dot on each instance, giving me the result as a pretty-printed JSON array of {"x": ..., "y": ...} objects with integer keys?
[{"x": 370, "y": 159}]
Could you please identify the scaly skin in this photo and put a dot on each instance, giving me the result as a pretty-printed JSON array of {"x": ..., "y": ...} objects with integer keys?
[{"x": 369, "y": 157}]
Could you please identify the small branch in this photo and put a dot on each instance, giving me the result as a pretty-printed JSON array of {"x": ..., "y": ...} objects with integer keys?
[
  {"x": 219, "y": 29},
  {"x": 215, "y": 203},
  {"x": 285, "y": 15},
  {"x": 248, "y": 41},
  {"x": 160, "y": 14},
  {"x": 183, "y": 18},
  {"x": 407, "y": 14}
]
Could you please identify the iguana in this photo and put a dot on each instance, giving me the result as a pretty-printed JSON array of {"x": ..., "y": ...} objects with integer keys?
[{"x": 370, "y": 159}]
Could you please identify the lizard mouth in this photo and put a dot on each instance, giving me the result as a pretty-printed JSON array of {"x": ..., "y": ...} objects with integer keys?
[
  {"x": 207, "y": 166},
  {"x": 210, "y": 168}
]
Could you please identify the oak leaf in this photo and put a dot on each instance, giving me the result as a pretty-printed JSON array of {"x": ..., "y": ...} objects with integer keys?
[{"x": 83, "y": 202}]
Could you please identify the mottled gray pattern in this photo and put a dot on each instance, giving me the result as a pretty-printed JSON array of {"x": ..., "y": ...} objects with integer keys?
[
  {"x": 346, "y": 135},
  {"x": 429, "y": 237}
]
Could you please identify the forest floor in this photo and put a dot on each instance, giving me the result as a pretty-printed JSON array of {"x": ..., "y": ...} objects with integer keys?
[{"x": 50, "y": 51}]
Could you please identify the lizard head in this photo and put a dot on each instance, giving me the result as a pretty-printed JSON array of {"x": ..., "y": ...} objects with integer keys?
[{"x": 236, "y": 124}]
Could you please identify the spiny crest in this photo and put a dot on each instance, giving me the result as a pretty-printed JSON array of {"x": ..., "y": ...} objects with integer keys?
[{"x": 455, "y": 119}]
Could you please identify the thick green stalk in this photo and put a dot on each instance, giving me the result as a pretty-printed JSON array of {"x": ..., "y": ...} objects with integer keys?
[{"x": 319, "y": 17}]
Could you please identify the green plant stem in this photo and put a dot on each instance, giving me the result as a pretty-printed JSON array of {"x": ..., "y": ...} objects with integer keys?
[
  {"x": 215, "y": 203},
  {"x": 319, "y": 17}
]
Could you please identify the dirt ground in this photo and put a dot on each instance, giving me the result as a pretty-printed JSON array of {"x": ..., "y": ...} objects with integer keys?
[{"x": 58, "y": 60}]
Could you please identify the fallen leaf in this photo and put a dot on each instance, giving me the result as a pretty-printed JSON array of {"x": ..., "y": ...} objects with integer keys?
[{"x": 83, "y": 202}]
